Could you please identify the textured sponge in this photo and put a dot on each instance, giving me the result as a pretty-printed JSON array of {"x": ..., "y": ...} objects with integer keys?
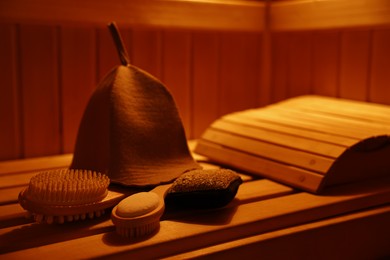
[{"x": 204, "y": 188}]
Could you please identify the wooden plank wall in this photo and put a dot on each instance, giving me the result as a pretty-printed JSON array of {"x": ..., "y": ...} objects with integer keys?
[
  {"x": 51, "y": 61},
  {"x": 49, "y": 72},
  {"x": 334, "y": 48},
  {"x": 345, "y": 63}
]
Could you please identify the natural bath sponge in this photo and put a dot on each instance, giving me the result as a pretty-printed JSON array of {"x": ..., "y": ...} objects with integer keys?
[{"x": 204, "y": 188}]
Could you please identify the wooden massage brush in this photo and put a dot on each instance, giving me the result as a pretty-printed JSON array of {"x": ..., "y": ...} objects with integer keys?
[
  {"x": 65, "y": 195},
  {"x": 139, "y": 214}
]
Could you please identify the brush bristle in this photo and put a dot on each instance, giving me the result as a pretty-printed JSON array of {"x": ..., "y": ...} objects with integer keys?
[
  {"x": 141, "y": 224},
  {"x": 70, "y": 187},
  {"x": 49, "y": 219},
  {"x": 140, "y": 231}
]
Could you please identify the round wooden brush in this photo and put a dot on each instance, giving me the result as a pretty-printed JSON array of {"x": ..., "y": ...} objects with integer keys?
[
  {"x": 139, "y": 215},
  {"x": 58, "y": 196}
]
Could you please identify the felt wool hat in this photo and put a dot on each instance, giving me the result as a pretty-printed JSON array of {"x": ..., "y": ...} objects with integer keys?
[{"x": 131, "y": 130}]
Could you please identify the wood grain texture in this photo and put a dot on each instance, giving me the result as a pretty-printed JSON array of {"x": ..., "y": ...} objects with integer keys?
[
  {"x": 205, "y": 80},
  {"x": 239, "y": 71},
  {"x": 275, "y": 137},
  {"x": 283, "y": 244},
  {"x": 37, "y": 163},
  {"x": 366, "y": 112},
  {"x": 344, "y": 63},
  {"x": 283, "y": 127},
  {"x": 355, "y": 61},
  {"x": 10, "y": 138},
  {"x": 326, "y": 53},
  {"x": 40, "y": 90},
  {"x": 242, "y": 140},
  {"x": 254, "y": 164},
  {"x": 176, "y": 73},
  {"x": 325, "y": 14},
  {"x": 279, "y": 71},
  {"x": 283, "y": 155},
  {"x": 146, "y": 50},
  {"x": 78, "y": 79},
  {"x": 237, "y": 15},
  {"x": 379, "y": 90},
  {"x": 300, "y": 64}
]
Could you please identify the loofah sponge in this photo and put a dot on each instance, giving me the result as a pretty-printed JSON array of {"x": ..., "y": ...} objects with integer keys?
[{"x": 204, "y": 188}]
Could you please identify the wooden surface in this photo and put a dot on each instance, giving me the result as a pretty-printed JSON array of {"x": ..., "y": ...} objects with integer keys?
[
  {"x": 266, "y": 218},
  {"x": 345, "y": 63},
  {"x": 325, "y": 14},
  {"x": 309, "y": 142},
  {"x": 237, "y": 15}
]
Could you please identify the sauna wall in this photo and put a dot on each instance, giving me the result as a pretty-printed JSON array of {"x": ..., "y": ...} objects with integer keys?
[
  {"x": 334, "y": 48},
  {"x": 345, "y": 63},
  {"x": 215, "y": 58},
  {"x": 54, "y": 54}
]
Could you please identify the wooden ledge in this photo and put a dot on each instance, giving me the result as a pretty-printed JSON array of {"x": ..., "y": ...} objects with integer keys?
[
  {"x": 184, "y": 14},
  {"x": 328, "y": 14}
]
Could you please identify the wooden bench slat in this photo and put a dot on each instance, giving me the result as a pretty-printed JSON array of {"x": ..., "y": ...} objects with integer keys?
[
  {"x": 9, "y": 181},
  {"x": 12, "y": 215},
  {"x": 10, "y": 195},
  {"x": 308, "y": 125},
  {"x": 369, "y": 112},
  {"x": 11, "y": 211},
  {"x": 261, "y": 167},
  {"x": 323, "y": 236},
  {"x": 247, "y": 193},
  {"x": 281, "y": 139},
  {"x": 343, "y": 122},
  {"x": 341, "y": 128},
  {"x": 240, "y": 118},
  {"x": 344, "y": 111},
  {"x": 281, "y": 154},
  {"x": 35, "y": 164},
  {"x": 218, "y": 227}
]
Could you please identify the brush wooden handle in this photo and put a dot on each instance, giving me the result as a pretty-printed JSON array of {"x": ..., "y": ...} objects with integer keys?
[
  {"x": 113, "y": 197},
  {"x": 145, "y": 224}
]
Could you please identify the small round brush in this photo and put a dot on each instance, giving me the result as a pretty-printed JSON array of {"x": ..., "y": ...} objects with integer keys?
[
  {"x": 67, "y": 187},
  {"x": 58, "y": 196},
  {"x": 139, "y": 214}
]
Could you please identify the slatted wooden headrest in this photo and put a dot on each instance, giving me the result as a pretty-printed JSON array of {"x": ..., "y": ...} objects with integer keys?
[{"x": 308, "y": 142}]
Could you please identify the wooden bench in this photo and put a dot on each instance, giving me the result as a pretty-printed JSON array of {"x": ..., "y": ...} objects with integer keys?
[
  {"x": 265, "y": 219},
  {"x": 309, "y": 142}
]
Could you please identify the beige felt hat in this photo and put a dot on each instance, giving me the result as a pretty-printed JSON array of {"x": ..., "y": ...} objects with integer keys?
[{"x": 131, "y": 130}]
